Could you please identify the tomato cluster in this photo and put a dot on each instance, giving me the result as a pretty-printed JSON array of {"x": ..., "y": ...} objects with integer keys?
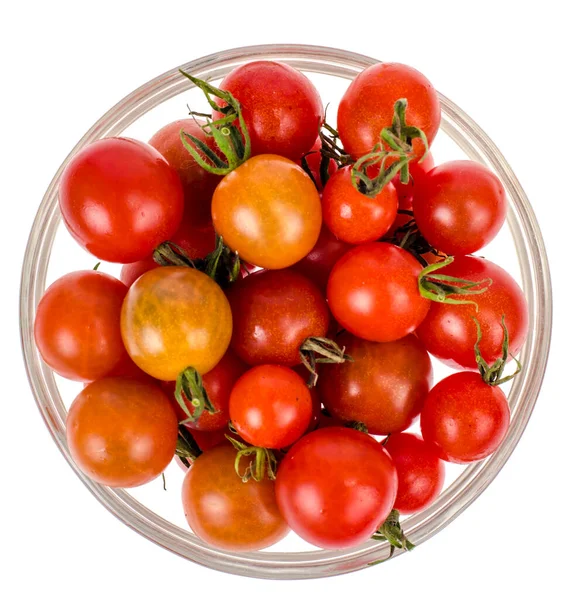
[{"x": 284, "y": 285}]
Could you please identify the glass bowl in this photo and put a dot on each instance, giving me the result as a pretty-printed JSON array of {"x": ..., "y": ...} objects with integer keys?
[{"x": 339, "y": 66}]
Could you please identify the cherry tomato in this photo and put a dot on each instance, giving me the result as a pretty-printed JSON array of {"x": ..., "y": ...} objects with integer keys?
[
  {"x": 270, "y": 406},
  {"x": 198, "y": 184},
  {"x": 420, "y": 472},
  {"x": 218, "y": 384},
  {"x": 121, "y": 432},
  {"x": 368, "y": 106},
  {"x": 460, "y": 206},
  {"x": 313, "y": 160},
  {"x": 464, "y": 418},
  {"x": 405, "y": 191},
  {"x": 335, "y": 487},
  {"x": 449, "y": 332},
  {"x": 226, "y": 512},
  {"x": 354, "y": 217},
  {"x": 269, "y": 211},
  {"x": 210, "y": 439},
  {"x": 174, "y": 318},
  {"x": 77, "y": 325},
  {"x": 281, "y": 107},
  {"x": 273, "y": 313},
  {"x": 384, "y": 386},
  {"x": 373, "y": 292},
  {"x": 120, "y": 198}
]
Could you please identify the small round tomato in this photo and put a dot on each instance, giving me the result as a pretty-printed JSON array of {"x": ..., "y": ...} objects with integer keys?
[
  {"x": 420, "y": 472},
  {"x": 120, "y": 198},
  {"x": 384, "y": 385},
  {"x": 464, "y": 418},
  {"x": 373, "y": 292},
  {"x": 268, "y": 211},
  {"x": 174, "y": 318},
  {"x": 122, "y": 432},
  {"x": 335, "y": 487},
  {"x": 368, "y": 106},
  {"x": 224, "y": 511},
  {"x": 198, "y": 184},
  {"x": 270, "y": 406},
  {"x": 313, "y": 160},
  {"x": 460, "y": 206},
  {"x": 77, "y": 325},
  {"x": 449, "y": 331},
  {"x": 274, "y": 312},
  {"x": 354, "y": 217},
  {"x": 282, "y": 108}
]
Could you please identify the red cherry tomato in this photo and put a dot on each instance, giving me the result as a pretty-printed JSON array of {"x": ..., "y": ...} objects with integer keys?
[
  {"x": 460, "y": 206},
  {"x": 304, "y": 374},
  {"x": 313, "y": 160},
  {"x": 464, "y": 418},
  {"x": 121, "y": 432},
  {"x": 420, "y": 472},
  {"x": 368, "y": 106},
  {"x": 373, "y": 292},
  {"x": 281, "y": 107},
  {"x": 335, "y": 487},
  {"x": 354, "y": 217},
  {"x": 406, "y": 191},
  {"x": 384, "y": 386},
  {"x": 198, "y": 184},
  {"x": 273, "y": 313},
  {"x": 449, "y": 331},
  {"x": 77, "y": 325},
  {"x": 270, "y": 406},
  {"x": 120, "y": 198}
]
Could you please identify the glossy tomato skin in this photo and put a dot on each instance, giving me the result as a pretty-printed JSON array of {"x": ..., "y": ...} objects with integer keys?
[
  {"x": 353, "y": 217},
  {"x": 270, "y": 406},
  {"x": 464, "y": 418},
  {"x": 198, "y": 184},
  {"x": 460, "y": 206},
  {"x": 174, "y": 318},
  {"x": 120, "y": 198},
  {"x": 226, "y": 512},
  {"x": 269, "y": 211},
  {"x": 314, "y": 159},
  {"x": 373, "y": 292},
  {"x": 273, "y": 313},
  {"x": 282, "y": 108},
  {"x": 420, "y": 472},
  {"x": 449, "y": 332},
  {"x": 368, "y": 106},
  {"x": 77, "y": 325},
  {"x": 121, "y": 432},
  {"x": 218, "y": 384},
  {"x": 335, "y": 487},
  {"x": 384, "y": 386}
]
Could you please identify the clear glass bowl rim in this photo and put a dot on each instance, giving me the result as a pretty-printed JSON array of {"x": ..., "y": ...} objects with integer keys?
[{"x": 475, "y": 478}]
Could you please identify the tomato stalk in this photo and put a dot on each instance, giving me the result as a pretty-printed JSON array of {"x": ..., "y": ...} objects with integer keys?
[
  {"x": 409, "y": 237},
  {"x": 263, "y": 464},
  {"x": 328, "y": 351},
  {"x": 186, "y": 447},
  {"x": 357, "y": 425},
  {"x": 391, "y": 531},
  {"x": 493, "y": 374},
  {"x": 189, "y": 387}
]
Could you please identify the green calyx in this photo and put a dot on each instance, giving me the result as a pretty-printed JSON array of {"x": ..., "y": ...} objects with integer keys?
[
  {"x": 189, "y": 388},
  {"x": 317, "y": 350},
  {"x": 187, "y": 449},
  {"x": 264, "y": 463},
  {"x": 356, "y": 425},
  {"x": 409, "y": 237},
  {"x": 391, "y": 531}
]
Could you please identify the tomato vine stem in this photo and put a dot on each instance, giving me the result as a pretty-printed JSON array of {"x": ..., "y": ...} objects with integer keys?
[
  {"x": 391, "y": 531},
  {"x": 189, "y": 387},
  {"x": 328, "y": 351},
  {"x": 263, "y": 464}
]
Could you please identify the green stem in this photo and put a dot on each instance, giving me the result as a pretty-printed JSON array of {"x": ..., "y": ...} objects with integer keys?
[
  {"x": 391, "y": 531},
  {"x": 186, "y": 446},
  {"x": 169, "y": 254},
  {"x": 189, "y": 388},
  {"x": 316, "y": 350},
  {"x": 264, "y": 463}
]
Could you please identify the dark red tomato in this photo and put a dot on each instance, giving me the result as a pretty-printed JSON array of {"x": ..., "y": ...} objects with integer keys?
[
  {"x": 460, "y": 206},
  {"x": 282, "y": 108},
  {"x": 373, "y": 292},
  {"x": 218, "y": 384},
  {"x": 197, "y": 242},
  {"x": 120, "y": 198},
  {"x": 368, "y": 106},
  {"x": 464, "y": 418},
  {"x": 210, "y": 439},
  {"x": 406, "y": 190},
  {"x": 273, "y": 313},
  {"x": 122, "y": 432},
  {"x": 383, "y": 387},
  {"x": 224, "y": 511},
  {"x": 77, "y": 325},
  {"x": 313, "y": 160},
  {"x": 318, "y": 264},
  {"x": 420, "y": 472},
  {"x": 335, "y": 487},
  {"x": 449, "y": 331},
  {"x": 197, "y": 183},
  {"x": 354, "y": 217},
  {"x": 270, "y": 406}
]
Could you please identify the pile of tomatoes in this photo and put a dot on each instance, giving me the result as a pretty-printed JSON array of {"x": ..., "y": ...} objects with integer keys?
[{"x": 284, "y": 283}]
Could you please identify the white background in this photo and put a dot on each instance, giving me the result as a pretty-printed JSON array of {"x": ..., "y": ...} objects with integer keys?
[{"x": 508, "y": 64}]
